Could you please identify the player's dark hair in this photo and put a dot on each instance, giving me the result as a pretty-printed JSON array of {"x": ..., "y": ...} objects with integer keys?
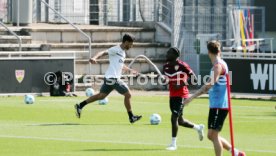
[
  {"x": 128, "y": 37},
  {"x": 213, "y": 47},
  {"x": 175, "y": 50}
]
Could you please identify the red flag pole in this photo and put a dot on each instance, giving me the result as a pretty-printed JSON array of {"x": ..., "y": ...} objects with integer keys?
[{"x": 230, "y": 114}]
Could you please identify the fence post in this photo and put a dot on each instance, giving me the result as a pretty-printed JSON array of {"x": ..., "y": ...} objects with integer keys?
[
  {"x": 46, "y": 12},
  {"x": 118, "y": 10},
  {"x": 38, "y": 11},
  {"x": 173, "y": 24},
  {"x": 18, "y": 9},
  {"x": 105, "y": 12},
  {"x": 156, "y": 5},
  {"x": 126, "y": 10},
  {"x": 134, "y": 10},
  {"x": 9, "y": 11},
  {"x": 263, "y": 21}
]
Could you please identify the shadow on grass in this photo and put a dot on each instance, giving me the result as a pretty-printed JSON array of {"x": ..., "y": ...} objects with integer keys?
[{"x": 120, "y": 150}]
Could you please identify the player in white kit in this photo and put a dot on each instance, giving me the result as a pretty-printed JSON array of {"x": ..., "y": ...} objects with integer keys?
[{"x": 112, "y": 78}]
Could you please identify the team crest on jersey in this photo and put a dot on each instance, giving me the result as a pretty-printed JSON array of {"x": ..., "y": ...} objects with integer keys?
[
  {"x": 19, "y": 74},
  {"x": 176, "y": 67}
]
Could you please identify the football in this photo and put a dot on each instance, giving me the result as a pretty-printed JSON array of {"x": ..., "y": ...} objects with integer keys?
[
  {"x": 89, "y": 92},
  {"x": 103, "y": 101},
  {"x": 29, "y": 99},
  {"x": 155, "y": 119}
]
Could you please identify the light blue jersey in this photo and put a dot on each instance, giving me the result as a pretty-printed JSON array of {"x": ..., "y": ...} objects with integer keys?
[{"x": 218, "y": 93}]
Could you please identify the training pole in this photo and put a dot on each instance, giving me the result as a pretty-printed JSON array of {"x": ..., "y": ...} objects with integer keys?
[{"x": 230, "y": 114}]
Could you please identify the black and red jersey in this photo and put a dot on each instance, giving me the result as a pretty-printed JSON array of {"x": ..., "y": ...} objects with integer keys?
[{"x": 178, "y": 74}]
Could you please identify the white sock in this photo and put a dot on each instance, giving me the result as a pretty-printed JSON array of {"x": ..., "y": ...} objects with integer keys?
[
  {"x": 196, "y": 127},
  {"x": 174, "y": 141},
  {"x": 236, "y": 151}
]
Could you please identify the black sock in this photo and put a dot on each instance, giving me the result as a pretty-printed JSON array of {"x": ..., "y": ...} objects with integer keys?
[
  {"x": 82, "y": 104},
  {"x": 130, "y": 114}
]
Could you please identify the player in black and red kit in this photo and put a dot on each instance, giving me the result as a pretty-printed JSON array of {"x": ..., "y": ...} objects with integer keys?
[{"x": 178, "y": 73}]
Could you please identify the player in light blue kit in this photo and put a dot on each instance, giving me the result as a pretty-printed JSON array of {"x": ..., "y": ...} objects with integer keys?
[{"x": 217, "y": 89}]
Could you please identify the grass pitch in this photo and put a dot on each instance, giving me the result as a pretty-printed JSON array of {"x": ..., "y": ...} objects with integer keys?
[{"x": 49, "y": 128}]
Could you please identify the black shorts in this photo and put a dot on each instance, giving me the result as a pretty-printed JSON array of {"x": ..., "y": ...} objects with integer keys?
[
  {"x": 117, "y": 84},
  {"x": 216, "y": 118},
  {"x": 176, "y": 105}
]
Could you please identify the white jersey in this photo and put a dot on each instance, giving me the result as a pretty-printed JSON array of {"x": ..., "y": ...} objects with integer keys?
[{"x": 116, "y": 62}]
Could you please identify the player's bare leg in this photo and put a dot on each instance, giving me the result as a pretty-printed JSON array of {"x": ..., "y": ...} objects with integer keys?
[
  {"x": 174, "y": 123},
  {"x": 96, "y": 97},
  {"x": 220, "y": 143},
  {"x": 91, "y": 99},
  {"x": 132, "y": 118},
  {"x": 186, "y": 123},
  {"x": 127, "y": 101},
  {"x": 227, "y": 146},
  {"x": 214, "y": 137}
]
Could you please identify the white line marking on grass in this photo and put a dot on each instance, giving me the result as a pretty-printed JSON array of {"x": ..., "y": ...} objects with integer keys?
[{"x": 120, "y": 142}]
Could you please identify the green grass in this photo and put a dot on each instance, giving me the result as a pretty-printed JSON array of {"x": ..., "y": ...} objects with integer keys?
[{"x": 49, "y": 128}]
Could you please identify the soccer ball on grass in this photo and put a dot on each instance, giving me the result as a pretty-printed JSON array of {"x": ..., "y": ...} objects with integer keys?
[
  {"x": 103, "y": 101},
  {"x": 89, "y": 92},
  {"x": 155, "y": 119},
  {"x": 29, "y": 99}
]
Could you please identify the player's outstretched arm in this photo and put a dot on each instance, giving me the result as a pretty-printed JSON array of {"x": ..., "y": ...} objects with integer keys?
[
  {"x": 204, "y": 89},
  {"x": 93, "y": 60},
  {"x": 127, "y": 69}
]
